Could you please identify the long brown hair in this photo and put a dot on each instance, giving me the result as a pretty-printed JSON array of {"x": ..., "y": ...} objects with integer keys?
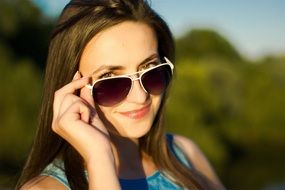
[{"x": 79, "y": 22}]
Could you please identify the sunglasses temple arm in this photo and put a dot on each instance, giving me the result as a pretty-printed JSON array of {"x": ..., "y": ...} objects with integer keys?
[{"x": 169, "y": 62}]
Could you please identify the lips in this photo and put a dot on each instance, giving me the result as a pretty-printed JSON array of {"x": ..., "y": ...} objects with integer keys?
[{"x": 137, "y": 114}]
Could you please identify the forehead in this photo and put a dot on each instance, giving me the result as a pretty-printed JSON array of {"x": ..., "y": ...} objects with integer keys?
[{"x": 125, "y": 44}]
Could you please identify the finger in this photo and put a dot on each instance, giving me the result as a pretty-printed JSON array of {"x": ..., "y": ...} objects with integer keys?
[
  {"x": 62, "y": 102},
  {"x": 85, "y": 93},
  {"x": 76, "y": 76},
  {"x": 76, "y": 112},
  {"x": 66, "y": 102},
  {"x": 97, "y": 123},
  {"x": 74, "y": 85},
  {"x": 68, "y": 89},
  {"x": 83, "y": 110},
  {"x": 61, "y": 105}
]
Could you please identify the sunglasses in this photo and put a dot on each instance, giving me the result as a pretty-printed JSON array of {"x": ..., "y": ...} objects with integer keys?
[{"x": 112, "y": 90}]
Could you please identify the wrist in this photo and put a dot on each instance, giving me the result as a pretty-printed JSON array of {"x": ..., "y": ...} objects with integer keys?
[
  {"x": 102, "y": 172},
  {"x": 100, "y": 158}
]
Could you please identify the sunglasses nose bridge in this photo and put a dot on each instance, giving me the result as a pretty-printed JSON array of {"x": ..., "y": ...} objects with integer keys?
[{"x": 134, "y": 79}]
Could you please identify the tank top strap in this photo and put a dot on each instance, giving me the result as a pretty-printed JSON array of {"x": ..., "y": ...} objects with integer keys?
[
  {"x": 56, "y": 170},
  {"x": 177, "y": 151}
]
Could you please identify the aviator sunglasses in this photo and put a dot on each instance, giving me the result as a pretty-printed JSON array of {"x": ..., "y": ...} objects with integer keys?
[{"x": 112, "y": 90}]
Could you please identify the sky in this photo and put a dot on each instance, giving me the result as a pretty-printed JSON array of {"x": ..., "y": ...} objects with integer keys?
[{"x": 255, "y": 27}]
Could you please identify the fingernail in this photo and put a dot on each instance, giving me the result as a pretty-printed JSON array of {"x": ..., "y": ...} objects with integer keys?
[{"x": 76, "y": 75}]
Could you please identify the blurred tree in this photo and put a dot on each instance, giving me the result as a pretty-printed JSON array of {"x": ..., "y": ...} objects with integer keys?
[
  {"x": 25, "y": 30},
  {"x": 203, "y": 95},
  {"x": 19, "y": 101},
  {"x": 24, "y": 35},
  {"x": 235, "y": 112},
  {"x": 203, "y": 43}
]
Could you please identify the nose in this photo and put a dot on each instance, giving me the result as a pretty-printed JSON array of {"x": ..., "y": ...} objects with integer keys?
[{"x": 137, "y": 93}]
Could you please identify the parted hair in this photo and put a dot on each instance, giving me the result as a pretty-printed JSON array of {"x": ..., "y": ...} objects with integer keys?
[{"x": 78, "y": 23}]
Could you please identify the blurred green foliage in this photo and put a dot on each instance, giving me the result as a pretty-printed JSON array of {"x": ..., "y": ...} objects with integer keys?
[
  {"x": 24, "y": 30},
  {"x": 205, "y": 43},
  {"x": 233, "y": 108}
]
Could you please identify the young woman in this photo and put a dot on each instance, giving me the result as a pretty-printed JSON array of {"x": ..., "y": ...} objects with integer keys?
[{"x": 101, "y": 121}]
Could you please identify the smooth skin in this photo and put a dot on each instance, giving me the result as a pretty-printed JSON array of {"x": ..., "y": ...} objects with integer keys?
[{"x": 109, "y": 146}]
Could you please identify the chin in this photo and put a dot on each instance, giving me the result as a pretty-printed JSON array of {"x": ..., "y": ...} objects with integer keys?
[{"x": 135, "y": 133}]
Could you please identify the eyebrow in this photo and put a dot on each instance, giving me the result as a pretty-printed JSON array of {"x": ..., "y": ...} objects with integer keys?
[{"x": 119, "y": 67}]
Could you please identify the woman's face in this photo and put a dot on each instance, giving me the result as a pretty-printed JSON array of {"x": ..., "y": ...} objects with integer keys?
[{"x": 122, "y": 49}]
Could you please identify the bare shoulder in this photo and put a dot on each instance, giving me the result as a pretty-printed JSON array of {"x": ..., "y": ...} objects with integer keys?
[
  {"x": 189, "y": 147},
  {"x": 43, "y": 183},
  {"x": 197, "y": 158}
]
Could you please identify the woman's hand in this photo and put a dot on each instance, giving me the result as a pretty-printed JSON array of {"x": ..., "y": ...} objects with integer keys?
[{"x": 76, "y": 121}]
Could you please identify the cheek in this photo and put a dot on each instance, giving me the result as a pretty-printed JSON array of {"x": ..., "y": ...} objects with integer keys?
[{"x": 156, "y": 101}]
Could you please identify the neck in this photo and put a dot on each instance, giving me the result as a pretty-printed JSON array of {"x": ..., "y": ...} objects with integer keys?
[{"x": 131, "y": 162}]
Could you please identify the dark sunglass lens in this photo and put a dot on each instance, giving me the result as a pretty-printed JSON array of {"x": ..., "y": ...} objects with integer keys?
[
  {"x": 156, "y": 80},
  {"x": 111, "y": 91}
]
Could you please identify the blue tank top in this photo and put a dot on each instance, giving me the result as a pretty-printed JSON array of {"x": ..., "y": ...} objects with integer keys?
[{"x": 157, "y": 181}]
